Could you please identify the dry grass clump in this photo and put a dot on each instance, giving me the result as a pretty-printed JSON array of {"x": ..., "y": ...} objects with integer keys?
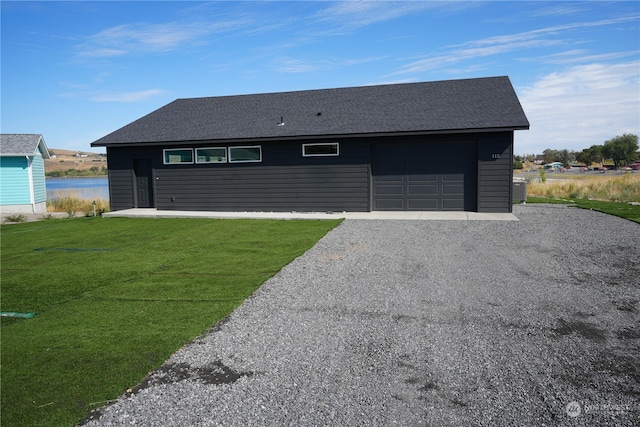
[
  {"x": 618, "y": 188},
  {"x": 72, "y": 203}
]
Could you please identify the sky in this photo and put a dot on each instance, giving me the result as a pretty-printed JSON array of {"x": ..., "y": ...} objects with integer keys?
[{"x": 75, "y": 71}]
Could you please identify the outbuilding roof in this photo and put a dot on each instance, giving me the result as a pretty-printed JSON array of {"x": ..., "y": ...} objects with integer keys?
[
  {"x": 482, "y": 104},
  {"x": 22, "y": 144}
]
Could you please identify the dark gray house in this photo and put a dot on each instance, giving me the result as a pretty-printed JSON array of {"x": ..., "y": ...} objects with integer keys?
[{"x": 445, "y": 145}]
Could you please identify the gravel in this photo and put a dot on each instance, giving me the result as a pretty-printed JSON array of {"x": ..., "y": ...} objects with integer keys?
[{"x": 530, "y": 322}]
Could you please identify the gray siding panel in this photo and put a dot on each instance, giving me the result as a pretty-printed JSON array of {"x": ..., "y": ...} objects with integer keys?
[
  {"x": 121, "y": 194},
  {"x": 283, "y": 181},
  {"x": 495, "y": 174}
]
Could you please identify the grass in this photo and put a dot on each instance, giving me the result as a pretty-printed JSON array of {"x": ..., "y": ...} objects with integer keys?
[
  {"x": 72, "y": 203},
  {"x": 612, "y": 188},
  {"x": 116, "y": 297},
  {"x": 607, "y": 193},
  {"x": 622, "y": 210}
]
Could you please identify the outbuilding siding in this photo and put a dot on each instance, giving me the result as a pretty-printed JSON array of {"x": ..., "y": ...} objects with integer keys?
[
  {"x": 22, "y": 180},
  {"x": 15, "y": 181},
  {"x": 38, "y": 178}
]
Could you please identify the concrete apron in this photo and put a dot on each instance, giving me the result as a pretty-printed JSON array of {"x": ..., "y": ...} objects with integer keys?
[{"x": 393, "y": 215}]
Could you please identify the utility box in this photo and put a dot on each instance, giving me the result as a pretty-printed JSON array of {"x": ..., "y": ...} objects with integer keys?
[{"x": 519, "y": 191}]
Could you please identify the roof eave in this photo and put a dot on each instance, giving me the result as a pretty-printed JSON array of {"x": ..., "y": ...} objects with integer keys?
[
  {"x": 308, "y": 137},
  {"x": 43, "y": 148}
]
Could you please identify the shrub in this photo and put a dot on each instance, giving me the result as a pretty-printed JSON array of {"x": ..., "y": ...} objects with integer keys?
[
  {"x": 15, "y": 218},
  {"x": 71, "y": 203}
]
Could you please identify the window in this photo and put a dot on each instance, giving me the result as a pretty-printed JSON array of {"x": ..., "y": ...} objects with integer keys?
[
  {"x": 245, "y": 154},
  {"x": 211, "y": 155},
  {"x": 178, "y": 155},
  {"x": 324, "y": 149}
]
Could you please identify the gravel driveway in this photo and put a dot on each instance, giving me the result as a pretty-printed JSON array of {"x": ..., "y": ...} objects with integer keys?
[{"x": 530, "y": 322}]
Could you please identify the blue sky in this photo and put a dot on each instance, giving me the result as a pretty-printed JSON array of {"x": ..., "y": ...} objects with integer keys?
[{"x": 75, "y": 71}]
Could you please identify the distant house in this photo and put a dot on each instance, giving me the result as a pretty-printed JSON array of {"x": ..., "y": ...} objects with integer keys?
[
  {"x": 554, "y": 166},
  {"x": 22, "y": 182},
  {"x": 443, "y": 146}
]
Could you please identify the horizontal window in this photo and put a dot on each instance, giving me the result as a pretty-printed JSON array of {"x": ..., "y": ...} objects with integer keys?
[
  {"x": 245, "y": 154},
  {"x": 324, "y": 149},
  {"x": 178, "y": 156},
  {"x": 211, "y": 155}
]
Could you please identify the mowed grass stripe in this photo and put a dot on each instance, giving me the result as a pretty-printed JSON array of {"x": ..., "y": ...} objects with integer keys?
[{"x": 105, "y": 318}]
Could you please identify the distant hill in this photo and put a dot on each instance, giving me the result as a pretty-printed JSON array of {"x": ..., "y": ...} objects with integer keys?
[{"x": 64, "y": 160}]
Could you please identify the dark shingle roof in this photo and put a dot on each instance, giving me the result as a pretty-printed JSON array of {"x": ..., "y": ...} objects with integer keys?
[
  {"x": 453, "y": 105},
  {"x": 22, "y": 144}
]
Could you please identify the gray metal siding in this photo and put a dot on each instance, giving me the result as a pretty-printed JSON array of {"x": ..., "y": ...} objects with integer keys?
[
  {"x": 283, "y": 181},
  {"x": 287, "y": 181},
  {"x": 495, "y": 172},
  {"x": 121, "y": 180}
]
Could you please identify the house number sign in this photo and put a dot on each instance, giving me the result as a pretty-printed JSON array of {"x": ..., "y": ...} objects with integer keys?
[{"x": 495, "y": 156}]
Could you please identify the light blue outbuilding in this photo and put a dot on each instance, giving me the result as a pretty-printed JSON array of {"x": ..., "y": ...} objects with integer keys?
[{"x": 22, "y": 182}]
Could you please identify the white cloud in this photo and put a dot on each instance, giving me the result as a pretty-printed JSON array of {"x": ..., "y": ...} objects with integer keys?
[
  {"x": 101, "y": 52},
  {"x": 460, "y": 55},
  {"x": 580, "y": 106},
  {"x": 495, "y": 45},
  {"x": 360, "y": 13},
  {"x": 125, "y": 96},
  {"x": 292, "y": 65},
  {"x": 350, "y": 15},
  {"x": 135, "y": 38}
]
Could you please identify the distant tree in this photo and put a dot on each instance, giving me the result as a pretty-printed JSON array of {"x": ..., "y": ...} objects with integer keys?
[
  {"x": 551, "y": 155},
  {"x": 621, "y": 149},
  {"x": 596, "y": 153},
  {"x": 590, "y": 155},
  {"x": 585, "y": 157},
  {"x": 566, "y": 157},
  {"x": 517, "y": 162}
]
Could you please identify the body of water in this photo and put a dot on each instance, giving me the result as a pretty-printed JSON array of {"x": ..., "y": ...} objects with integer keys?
[{"x": 83, "y": 188}]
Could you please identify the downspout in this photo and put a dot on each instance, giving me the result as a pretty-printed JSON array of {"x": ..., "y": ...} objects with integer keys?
[{"x": 32, "y": 196}]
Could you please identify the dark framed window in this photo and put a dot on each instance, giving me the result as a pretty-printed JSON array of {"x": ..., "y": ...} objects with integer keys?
[
  {"x": 211, "y": 155},
  {"x": 174, "y": 156},
  {"x": 245, "y": 154},
  {"x": 321, "y": 149}
]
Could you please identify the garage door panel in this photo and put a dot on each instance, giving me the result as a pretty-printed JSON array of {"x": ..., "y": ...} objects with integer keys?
[
  {"x": 390, "y": 178},
  {"x": 423, "y": 205},
  {"x": 453, "y": 189},
  {"x": 385, "y": 190},
  {"x": 452, "y": 204},
  {"x": 389, "y": 204},
  {"x": 425, "y": 177},
  {"x": 458, "y": 176},
  {"x": 417, "y": 190}
]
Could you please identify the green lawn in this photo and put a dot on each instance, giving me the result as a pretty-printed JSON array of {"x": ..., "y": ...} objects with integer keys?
[
  {"x": 116, "y": 297},
  {"x": 623, "y": 210}
]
